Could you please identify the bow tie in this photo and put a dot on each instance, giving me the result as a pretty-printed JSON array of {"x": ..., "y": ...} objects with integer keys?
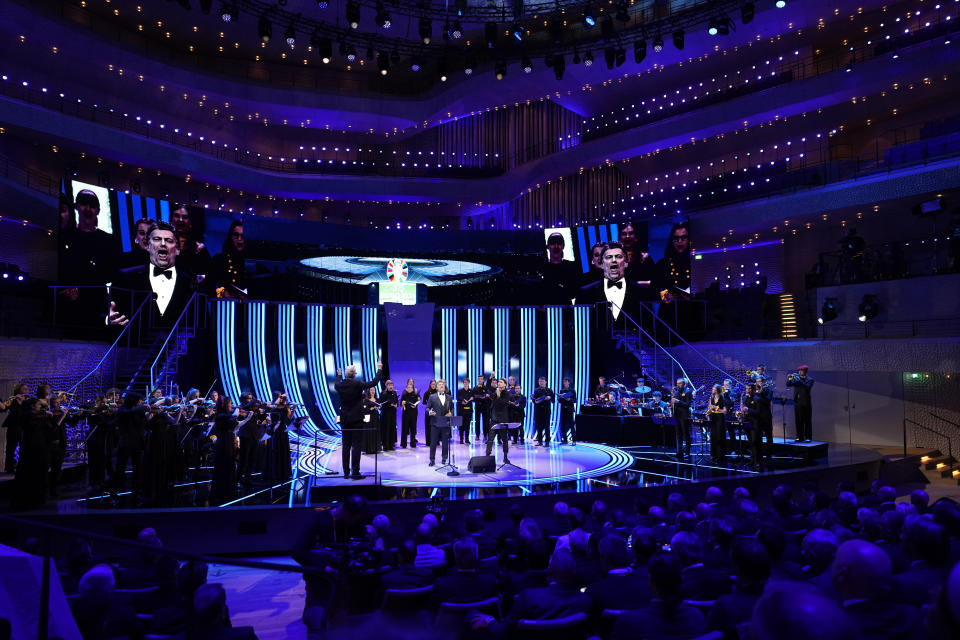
[
  {"x": 167, "y": 273},
  {"x": 615, "y": 285}
]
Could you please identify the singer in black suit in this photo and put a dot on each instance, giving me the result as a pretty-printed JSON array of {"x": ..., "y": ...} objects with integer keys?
[
  {"x": 351, "y": 391},
  {"x": 542, "y": 407},
  {"x": 615, "y": 298},
  {"x": 682, "y": 401},
  {"x": 439, "y": 406},
  {"x": 171, "y": 287}
]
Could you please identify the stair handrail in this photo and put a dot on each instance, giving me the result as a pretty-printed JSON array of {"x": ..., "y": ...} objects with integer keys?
[
  {"x": 658, "y": 345},
  {"x": 174, "y": 330},
  {"x": 941, "y": 418},
  {"x": 689, "y": 346},
  {"x": 113, "y": 346},
  {"x": 935, "y": 432}
]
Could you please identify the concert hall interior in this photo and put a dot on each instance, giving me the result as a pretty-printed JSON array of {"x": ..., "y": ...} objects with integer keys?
[{"x": 480, "y": 319}]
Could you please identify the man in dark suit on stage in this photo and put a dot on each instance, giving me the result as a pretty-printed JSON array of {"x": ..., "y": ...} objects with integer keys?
[
  {"x": 351, "y": 417},
  {"x": 440, "y": 409},
  {"x": 171, "y": 287}
]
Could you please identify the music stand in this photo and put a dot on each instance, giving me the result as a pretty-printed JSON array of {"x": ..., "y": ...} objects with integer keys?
[
  {"x": 449, "y": 421},
  {"x": 504, "y": 429}
]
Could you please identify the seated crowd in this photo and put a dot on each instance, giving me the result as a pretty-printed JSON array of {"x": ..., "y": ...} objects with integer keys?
[{"x": 802, "y": 566}]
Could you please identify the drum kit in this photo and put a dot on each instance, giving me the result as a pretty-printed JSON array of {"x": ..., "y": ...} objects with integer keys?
[{"x": 628, "y": 400}]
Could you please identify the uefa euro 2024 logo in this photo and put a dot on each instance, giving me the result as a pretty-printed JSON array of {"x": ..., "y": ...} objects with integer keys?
[{"x": 397, "y": 270}]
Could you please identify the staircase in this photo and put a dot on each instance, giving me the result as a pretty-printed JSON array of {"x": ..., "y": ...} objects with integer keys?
[{"x": 788, "y": 316}]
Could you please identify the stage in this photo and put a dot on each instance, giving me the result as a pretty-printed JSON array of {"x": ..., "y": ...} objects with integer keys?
[{"x": 532, "y": 465}]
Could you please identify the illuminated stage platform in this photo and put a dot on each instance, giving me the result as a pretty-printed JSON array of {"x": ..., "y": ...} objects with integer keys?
[{"x": 408, "y": 467}]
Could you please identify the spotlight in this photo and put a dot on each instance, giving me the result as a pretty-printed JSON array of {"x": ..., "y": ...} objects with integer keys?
[
  {"x": 265, "y": 29},
  {"x": 559, "y": 65},
  {"x": 869, "y": 308},
  {"x": 609, "y": 56},
  {"x": 678, "y": 39},
  {"x": 351, "y": 54},
  {"x": 587, "y": 59},
  {"x": 828, "y": 311},
  {"x": 323, "y": 4},
  {"x": 416, "y": 64},
  {"x": 228, "y": 12},
  {"x": 383, "y": 17},
  {"x": 623, "y": 14},
  {"x": 461, "y": 6},
  {"x": 621, "y": 56},
  {"x": 324, "y": 49},
  {"x": 490, "y": 34},
  {"x": 353, "y": 14},
  {"x": 526, "y": 65},
  {"x": 500, "y": 69},
  {"x": 290, "y": 36},
  {"x": 589, "y": 19},
  {"x": 383, "y": 62},
  {"x": 456, "y": 31},
  {"x": 425, "y": 30},
  {"x": 469, "y": 65},
  {"x": 658, "y": 44},
  {"x": 747, "y": 12},
  {"x": 639, "y": 51},
  {"x": 556, "y": 30},
  {"x": 442, "y": 69},
  {"x": 780, "y": 4},
  {"x": 576, "y": 57},
  {"x": 719, "y": 25},
  {"x": 517, "y": 31}
]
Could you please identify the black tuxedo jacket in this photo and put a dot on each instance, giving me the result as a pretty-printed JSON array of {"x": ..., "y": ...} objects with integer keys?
[
  {"x": 351, "y": 398},
  {"x": 633, "y": 296},
  {"x": 442, "y": 408},
  {"x": 186, "y": 284}
]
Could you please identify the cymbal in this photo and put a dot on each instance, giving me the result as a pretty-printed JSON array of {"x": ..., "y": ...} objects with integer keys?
[{"x": 642, "y": 389}]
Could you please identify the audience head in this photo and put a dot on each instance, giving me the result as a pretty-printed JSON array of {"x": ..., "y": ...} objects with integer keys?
[
  {"x": 473, "y": 521},
  {"x": 516, "y": 514},
  {"x": 655, "y": 515},
  {"x": 819, "y": 547},
  {"x": 407, "y": 552},
  {"x": 576, "y": 518},
  {"x": 424, "y": 533},
  {"x": 751, "y": 560},
  {"x": 924, "y": 539},
  {"x": 686, "y": 546},
  {"x": 703, "y": 511},
  {"x": 598, "y": 510},
  {"x": 774, "y": 541},
  {"x": 722, "y": 530},
  {"x": 686, "y": 521},
  {"x": 430, "y": 520},
  {"x": 466, "y": 553},
  {"x": 861, "y": 569},
  {"x": 944, "y": 616},
  {"x": 740, "y": 493},
  {"x": 676, "y": 502},
  {"x": 530, "y": 530},
  {"x": 97, "y": 583},
  {"x": 713, "y": 495},
  {"x": 919, "y": 499},
  {"x": 562, "y": 567},
  {"x": 579, "y": 542},
  {"x": 381, "y": 523},
  {"x": 644, "y": 545},
  {"x": 665, "y": 576},
  {"x": 886, "y": 493},
  {"x": 795, "y": 611},
  {"x": 847, "y": 499},
  {"x": 560, "y": 509},
  {"x": 614, "y": 553},
  {"x": 210, "y": 605}
]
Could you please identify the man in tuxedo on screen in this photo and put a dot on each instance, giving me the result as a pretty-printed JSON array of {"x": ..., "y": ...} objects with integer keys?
[
  {"x": 171, "y": 287},
  {"x": 439, "y": 407}
]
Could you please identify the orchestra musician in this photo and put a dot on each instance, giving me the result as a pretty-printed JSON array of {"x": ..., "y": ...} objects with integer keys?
[
  {"x": 250, "y": 434},
  {"x": 803, "y": 409},
  {"x": 101, "y": 422},
  {"x": 717, "y": 411},
  {"x": 465, "y": 410},
  {"x": 543, "y": 398},
  {"x": 410, "y": 399},
  {"x": 351, "y": 391},
  {"x": 14, "y": 424},
  {"x": 280, "y": 418},
  {"x": 228, "y": 422},
  {"x": 481, "y": 405},
  {"x": 763, "y": 429},
  {"x": 371, "y": 420},
  {"x": 439, "y": 406},
  {"x": 681, "y": 400},
  {"x": 132, "y": 430},
  {"x": 388, "y": 416},
  {"x": 568, "y": 408},
  {"x": 761, "y": 372},
  {"x": 731, "y": 400},
  {"x": 602, "y": 392},
  {"x": 518, "y": 412},
  {"x": 500, "y": 413},
  {"x": 30, "y": 481},
  {"x": 656, "y": 406}
]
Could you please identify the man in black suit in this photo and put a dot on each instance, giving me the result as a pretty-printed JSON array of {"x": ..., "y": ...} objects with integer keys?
[
  {"x": 621, "y": 588},
  {"x": 699, "y": 581},
  {"x": 619, "y": 298},
  {"x": 351, "y": 391},
  {"x": 406, "y": 575},
  {"x": 803, "y": 409},
  {"x": 753, "y": 570},
  {"x": 440, "y": 409},
  {"x": 171, "y": 288},
  {"x": 542, "y": 406},
  {"x": 465, "y": 410},
  {"x": 467, "y": 584},
  {"x": 681, "y": 401}
]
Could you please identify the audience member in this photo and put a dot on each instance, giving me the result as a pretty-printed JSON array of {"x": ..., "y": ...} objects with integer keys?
[
  {"x": 621, "y": 588},
  {"x": 211, "y": 618},
  {"x": 428, "y": 555},
  {"x": 799, "y": 612},
  {"x": 467, "y": 584},
  {"x": 753, "y": 570},
  {"x": 97, "y": 612},
  {"x": 406, "y": 575},
  {"x": 666, "y": 617},
  {"x": 927, "y": 547},
  {"x": 699, "y": 581}
]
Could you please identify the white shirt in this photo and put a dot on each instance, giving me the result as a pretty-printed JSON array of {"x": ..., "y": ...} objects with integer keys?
[
  {"x": 443, "y": 397},
  {"x": 163, "y": 287},
  {"x": 615, "y": 295}
]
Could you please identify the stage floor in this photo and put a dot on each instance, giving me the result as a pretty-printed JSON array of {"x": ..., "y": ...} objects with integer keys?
[{"x": 408, "y": 467}]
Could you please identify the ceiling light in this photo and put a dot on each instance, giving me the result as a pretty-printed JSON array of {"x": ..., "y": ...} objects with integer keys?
[
  {"x": 265, "y": 29},
  {"x": 589, "y": 19},
  {"x": 456, "y": 31},
  {"x": 517, "y": 31},
  {"x": 869, "y": 308},
  {"x": 500, "y": 69},
  {"x": 587, "y": 59},
  {"x": 639, "y": 51},
  {"x": 747, "y": 12},
  {"x": 828, "y": 311},
  {"x": 425, "y": 29},
  {"x": 526, "y": 65},
  {"x": 228, "y": 12},
  {"x": 290, "y": 36},
  {"x": 383, "y": 17},
  {"x": 383, "y": 62},
  {"x": 353, "y": 14},
  {"x": 323, "y": 4},
  {"x": 678, "y": 36},
  {"x": 780, "y": 4},
  {"x": 658, "y": 44}
]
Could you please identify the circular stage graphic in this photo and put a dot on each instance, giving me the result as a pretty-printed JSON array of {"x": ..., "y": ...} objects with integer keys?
[
  {"x": 531, "y": 465},
  {"x": 432, "y": 272}
]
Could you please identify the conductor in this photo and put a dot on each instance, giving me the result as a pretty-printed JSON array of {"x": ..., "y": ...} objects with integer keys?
[
  {"x": 351, "y": 417},
  {"x": 440, "y": 406}
]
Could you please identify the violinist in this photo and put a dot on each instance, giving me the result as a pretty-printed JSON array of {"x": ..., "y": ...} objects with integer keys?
[
  {"x": 388, "y": 416},
  {"x": 101, "y": 419},
  {"x": 408, "y": 420},
  {"x": 716, "y": 412},
  {"x": 58, "y": 442},
  {"x": 249, "y": 433},
  {"x": 160, "y": 454},
  {"x": 281, "y": 417},
  {"x": 132, "y": 430},
  {"x": 228, "y": 422},
  {"x": 13, "y": 423},
  {"x": 30, "y": 482}
]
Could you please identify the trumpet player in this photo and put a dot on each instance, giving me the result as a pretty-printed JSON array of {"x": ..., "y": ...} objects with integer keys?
[{"x": 803, "y": 409}]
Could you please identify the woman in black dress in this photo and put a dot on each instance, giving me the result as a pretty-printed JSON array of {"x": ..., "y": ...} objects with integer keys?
[
  {"x": 229, "y": 420},
  {"x": 388, "y": 416},
  {"x": 717, "y": 412},
  {"x": 371, "y": 425},
  {"x": 281, "y": 418},
  {"x": 30, "y": 481},
  {"x": 431, "y": 389},
  {"x": 160, "y": 458},
  {"x": 408, "y": 421}
]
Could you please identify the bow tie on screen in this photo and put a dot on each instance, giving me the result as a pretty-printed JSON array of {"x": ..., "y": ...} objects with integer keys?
[
  {"x": 167, "y": 273},
  {"x": 615, "y": 285}
]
